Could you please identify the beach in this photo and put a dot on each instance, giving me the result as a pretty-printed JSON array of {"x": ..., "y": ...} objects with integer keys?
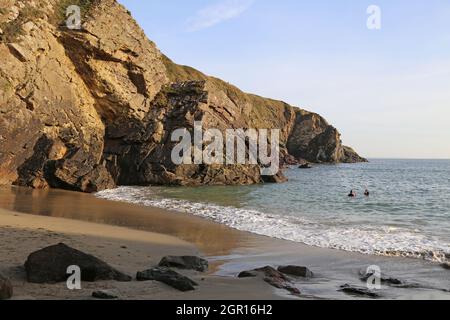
[
  {"x": 125, "y": 249},
  {"x": 132, "y": 238}
]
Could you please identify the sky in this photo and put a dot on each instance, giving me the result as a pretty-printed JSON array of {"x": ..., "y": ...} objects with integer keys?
[{"x": 387, "y": 90}]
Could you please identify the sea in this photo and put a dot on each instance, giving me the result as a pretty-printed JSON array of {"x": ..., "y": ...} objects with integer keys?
[{"x": 407, "y": 213}]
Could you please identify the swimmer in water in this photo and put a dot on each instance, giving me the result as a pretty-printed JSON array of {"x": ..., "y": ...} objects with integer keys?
[
  {"x": 367, "y": 193},
  {"x": 352, "y": 194}
]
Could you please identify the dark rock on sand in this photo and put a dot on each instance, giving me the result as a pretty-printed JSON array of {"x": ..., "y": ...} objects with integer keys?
[
  {"x": 6, "y": 288},
  {"x": 169, "y": 277},
  {"x": 185, "y": 262},
  {"x": 353, "y": 290},
  {"x": 104, "y": 295},
  {"x": 272, "y": 277},
  {"x": 296, "y": 271},
  {"x": 50, "y": 264},
  {"x": 305, "y": 166},
  {"x": 383, "y": 279}
]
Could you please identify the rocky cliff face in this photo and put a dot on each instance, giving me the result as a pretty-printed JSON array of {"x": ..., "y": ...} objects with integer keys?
[{"x": 89, "y": 109}]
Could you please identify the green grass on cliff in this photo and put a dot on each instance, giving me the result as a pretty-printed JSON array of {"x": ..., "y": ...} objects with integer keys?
[
  {"x": 178, "y": 73},
  {"x": 59, "y": 16},
  {"x": 265, "y": 113},
  {"x": 5, "y": 85},
  {"x": 13, "y": 29}
]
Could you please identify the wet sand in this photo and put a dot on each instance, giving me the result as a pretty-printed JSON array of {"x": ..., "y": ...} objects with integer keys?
[
  {"x": 134, "y": 238},
  {"x": 209, "y": 237}
]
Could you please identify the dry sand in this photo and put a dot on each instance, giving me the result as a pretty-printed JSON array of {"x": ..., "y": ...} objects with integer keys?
[{"x": 126, "y": 249}]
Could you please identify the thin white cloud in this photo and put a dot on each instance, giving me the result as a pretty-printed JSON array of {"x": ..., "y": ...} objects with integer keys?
[{"x": 218, "y": 13}]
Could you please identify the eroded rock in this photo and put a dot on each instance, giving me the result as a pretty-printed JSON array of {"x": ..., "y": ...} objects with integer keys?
[
  {"x": 383, "y": 279},
  {"x": 185, "y": 262},
  {"x": 272, "y": 277},
  {"x": 296, "y": 271},
  {"x": 104, "y": 295},
  {"x": 358, "y": 291},
  {"x": 169, "y": 277}
]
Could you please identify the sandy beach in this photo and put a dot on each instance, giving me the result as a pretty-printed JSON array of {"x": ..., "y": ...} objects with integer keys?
[
  {"x": 125, "y": 249},
  {"x": 133, "y": 238}
]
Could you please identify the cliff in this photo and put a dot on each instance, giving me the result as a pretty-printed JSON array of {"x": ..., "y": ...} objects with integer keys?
[{"x": 93, "y": 108}]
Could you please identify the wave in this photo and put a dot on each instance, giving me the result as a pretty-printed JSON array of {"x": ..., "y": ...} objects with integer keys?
[{"x": 374, "y": 240}]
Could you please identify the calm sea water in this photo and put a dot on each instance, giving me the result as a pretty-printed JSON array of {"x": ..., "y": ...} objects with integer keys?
[{"x": 407, "y": 214}]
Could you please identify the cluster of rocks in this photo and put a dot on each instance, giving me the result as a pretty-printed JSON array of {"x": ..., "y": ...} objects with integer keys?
[
  {"x": 278, "y": 278},
  {"x": 284, "y": 278},
  {"x": 163, "y": 272},
  {"x": 384, "y": 280},
  {"x": 49, "y": 266}
]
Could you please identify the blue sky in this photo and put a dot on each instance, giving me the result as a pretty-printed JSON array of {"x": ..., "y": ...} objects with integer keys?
[{"x": 387, "y": 91}]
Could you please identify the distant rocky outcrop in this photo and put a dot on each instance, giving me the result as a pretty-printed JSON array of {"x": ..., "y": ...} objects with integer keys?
[{"x": 90, "y": 109}]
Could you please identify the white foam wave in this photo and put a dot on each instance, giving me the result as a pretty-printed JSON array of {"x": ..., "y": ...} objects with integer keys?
[{"x": 374, "y": 240}]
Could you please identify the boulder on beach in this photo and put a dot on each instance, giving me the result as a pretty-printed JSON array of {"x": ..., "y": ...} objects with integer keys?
[
  {"x": 273, "y": 277},
  {"x": 169, "y": 277},
  {"x": 446, "y": 266},
  {"x": 296, "y": 271},
  {"x": 50, "y": 265},
  {"x": 185, "y": 262},
  {"x": 6, "y": 288},
  {"x": 358, "y": 291},
  {"x": 104, "y": 295}
]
